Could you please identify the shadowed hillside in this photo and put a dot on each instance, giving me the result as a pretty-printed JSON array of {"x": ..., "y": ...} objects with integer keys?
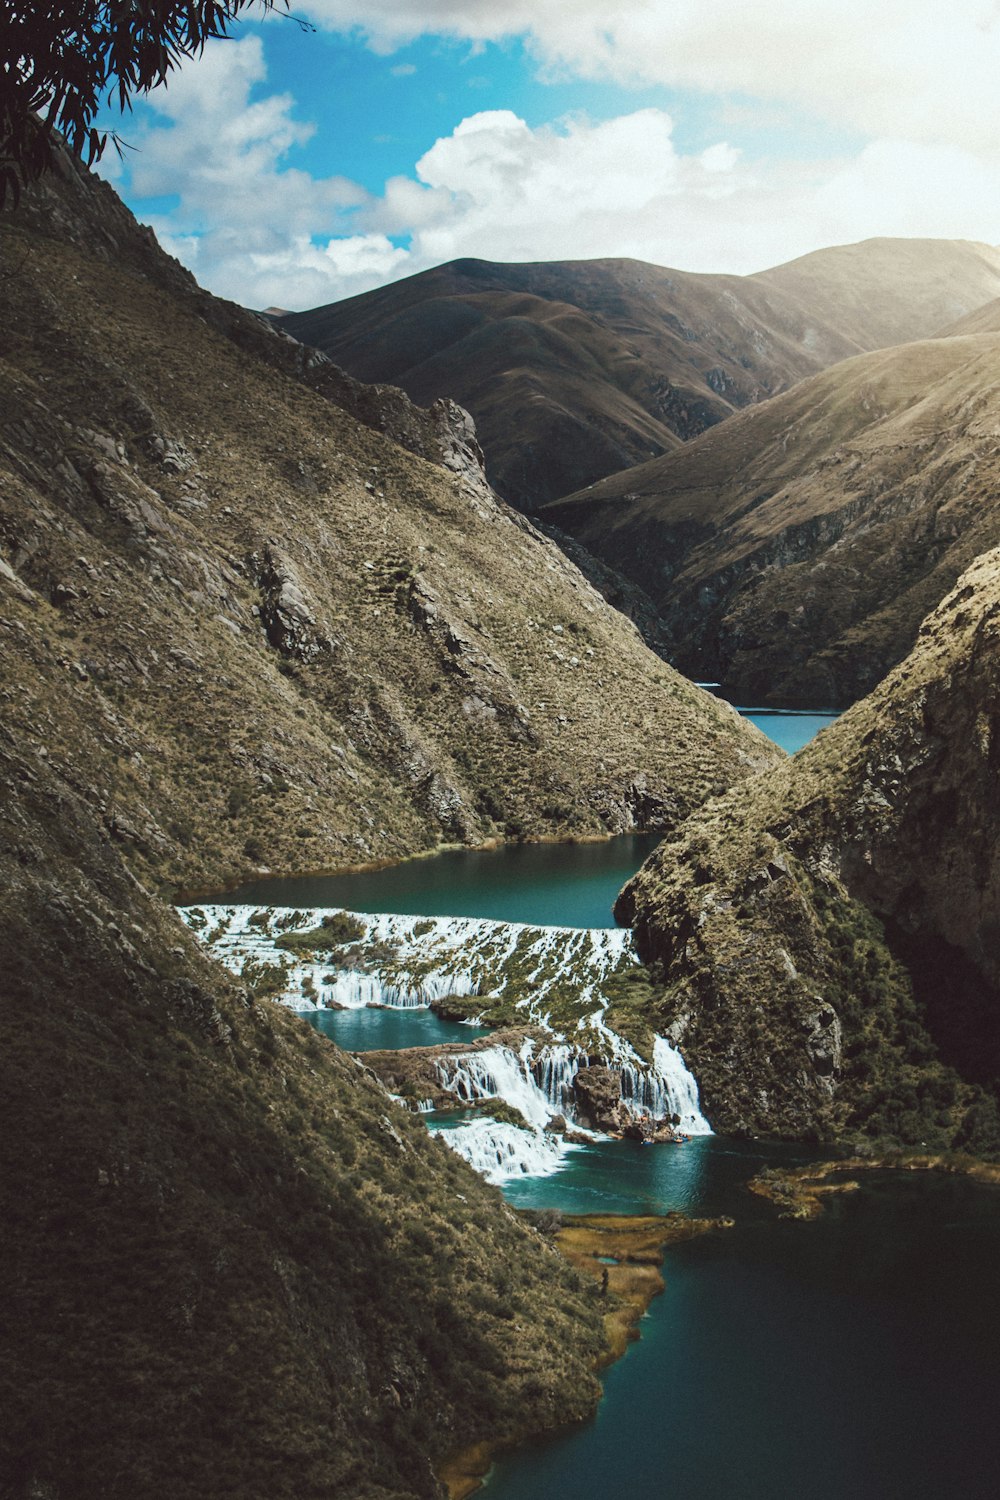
[
  {"x": 573, "y": 370},
  {"x": 239, "y": 626},
  {"x": 826, "y": 938},
  {"x": 793, "y": 551}
]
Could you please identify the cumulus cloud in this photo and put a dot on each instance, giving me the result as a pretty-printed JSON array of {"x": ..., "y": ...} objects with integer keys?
[
  {"x": 222, "y": 155},
  {"x": 255, "y": 228},
  {"x": 498, "y": 189},
  {"x": 919, "y": 70}
]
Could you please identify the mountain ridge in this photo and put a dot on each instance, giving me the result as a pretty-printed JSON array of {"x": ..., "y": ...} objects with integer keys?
[
  {"x": 793, "y": 551},
  {"x": 572, "y": 369}
]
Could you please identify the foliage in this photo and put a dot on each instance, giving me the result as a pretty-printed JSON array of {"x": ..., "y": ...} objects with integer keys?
[
  {"x": 332, "y": 933},
  {"x": 60, "y": 62}
]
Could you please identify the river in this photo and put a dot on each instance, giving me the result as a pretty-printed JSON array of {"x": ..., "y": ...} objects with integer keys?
[{"x": 854, "y": 1356}]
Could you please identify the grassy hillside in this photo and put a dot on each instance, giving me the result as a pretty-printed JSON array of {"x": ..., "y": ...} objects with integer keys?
[
  {"x": 300, "y": 645},
  {"x": 576, "y": 369},
  {"x": 793, "y": 551},
  {"x": 241, "y": 627},
  {"x": 826, "y": 939}
]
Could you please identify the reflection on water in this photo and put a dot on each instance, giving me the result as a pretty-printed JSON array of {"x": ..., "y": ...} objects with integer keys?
[
  {"x": 548, "y": 885},
  {"x": 855, "y": 1356}
]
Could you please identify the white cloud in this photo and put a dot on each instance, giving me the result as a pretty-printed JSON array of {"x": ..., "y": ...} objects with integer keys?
[
  {"x": 223, "y": 157},
  {"x": 921, "y": 70},
  {"x": 263, "y": 232}
]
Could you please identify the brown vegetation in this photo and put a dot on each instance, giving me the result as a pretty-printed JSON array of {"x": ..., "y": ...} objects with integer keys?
[{"x": 576, "y": 369}]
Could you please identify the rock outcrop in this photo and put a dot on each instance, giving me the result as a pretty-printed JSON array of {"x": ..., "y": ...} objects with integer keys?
[
  {"x": 828, "y": 941},
  {"x": 303, "y": 645},
  {"x": 598, "y": 1093}
]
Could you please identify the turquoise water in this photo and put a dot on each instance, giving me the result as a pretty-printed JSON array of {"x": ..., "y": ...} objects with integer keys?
[
  {"x": 856, "y": 1356},
  {"x": 368, "y": 1029},
  {"x": 787, "y": 727},
  {"x": 554, "y": 885}
]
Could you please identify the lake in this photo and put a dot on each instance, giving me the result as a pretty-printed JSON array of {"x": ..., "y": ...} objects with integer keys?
[
  {"x": 788, "y": 728},
  {"x": 548, "y": 885},
  {"x": 855, "y": 1356}
]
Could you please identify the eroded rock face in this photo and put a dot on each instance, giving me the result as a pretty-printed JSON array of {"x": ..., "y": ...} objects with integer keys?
[
  {"x": 828, "y": 941},
  {"x": 289, "y": 603},
  {"x": 598, "y": 1092}
]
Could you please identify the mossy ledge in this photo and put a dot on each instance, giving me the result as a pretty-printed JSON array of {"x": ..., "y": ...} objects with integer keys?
[
  {"x": 623, "y": 1254},
  {"x": 801, "y": 1192}
]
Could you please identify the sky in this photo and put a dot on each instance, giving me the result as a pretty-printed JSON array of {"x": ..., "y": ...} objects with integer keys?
[{"x": 294, "y": 165}]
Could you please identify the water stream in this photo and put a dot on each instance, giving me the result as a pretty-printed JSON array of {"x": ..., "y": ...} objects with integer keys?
[{"x": 853, "y": 1358}]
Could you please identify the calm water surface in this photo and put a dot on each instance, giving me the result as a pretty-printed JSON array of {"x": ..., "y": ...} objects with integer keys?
[
  {"x": 788, "y": 728},
  {"x": 553, "y": 885},
  {"x": 856, "y": 1356}
]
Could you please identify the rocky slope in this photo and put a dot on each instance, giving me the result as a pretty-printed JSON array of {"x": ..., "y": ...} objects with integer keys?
[
  {"x": 793, "y": 551},
  {"x": 240, "y": 625},
  {"x": 827, "y": 939},
  {"x": 301, "y": 646},
  {"x": 233, "y": 1265},
  {"x": 574, "y": 370}
]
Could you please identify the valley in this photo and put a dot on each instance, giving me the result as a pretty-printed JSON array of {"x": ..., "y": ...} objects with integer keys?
[
  {"x": 575, "y": 370},
  {"x": 264, "y": 627}
]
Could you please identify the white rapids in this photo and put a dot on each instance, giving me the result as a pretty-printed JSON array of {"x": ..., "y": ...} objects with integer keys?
[{"x": 406, "y": 962}]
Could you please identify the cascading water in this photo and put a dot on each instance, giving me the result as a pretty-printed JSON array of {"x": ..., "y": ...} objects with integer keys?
[
  {"x": 554, "y": 1070},
  {"x": 665, "y": 1090},
  {"x": 500, "y": 1151},
  {"x": 500, "y": 1073},
  {"x": 407, "y": 962}
]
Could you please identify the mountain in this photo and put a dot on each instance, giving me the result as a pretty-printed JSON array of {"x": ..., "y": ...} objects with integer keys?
[
  {"x": 573, "y": 370},
  {"x": 825, "y": 938},
  {"x": 793, "y": 551},
  {"x": 890, "y": 291},
  {"x": 318, "y": 648},
  {"x": 243, "y": 625}
]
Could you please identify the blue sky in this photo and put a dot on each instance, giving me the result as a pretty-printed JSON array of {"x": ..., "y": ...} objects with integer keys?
[{"x": 293, "y": 168}]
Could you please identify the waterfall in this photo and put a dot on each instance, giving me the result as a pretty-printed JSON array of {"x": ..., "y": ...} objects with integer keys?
[
  {"x": 500, "y": 1151},
  {"x": 497, "y": 1072},
  {"x": 554, "y": 1070},
  {"x": 406, "y": 962},
  {"x": 668, "y": 1088}
]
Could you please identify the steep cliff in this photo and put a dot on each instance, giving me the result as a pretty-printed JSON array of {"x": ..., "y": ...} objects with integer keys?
[
  {"x": 301, "y": 645},
  {"x": 828, "y": 939},
  {"x": 792, "y": 551}
]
